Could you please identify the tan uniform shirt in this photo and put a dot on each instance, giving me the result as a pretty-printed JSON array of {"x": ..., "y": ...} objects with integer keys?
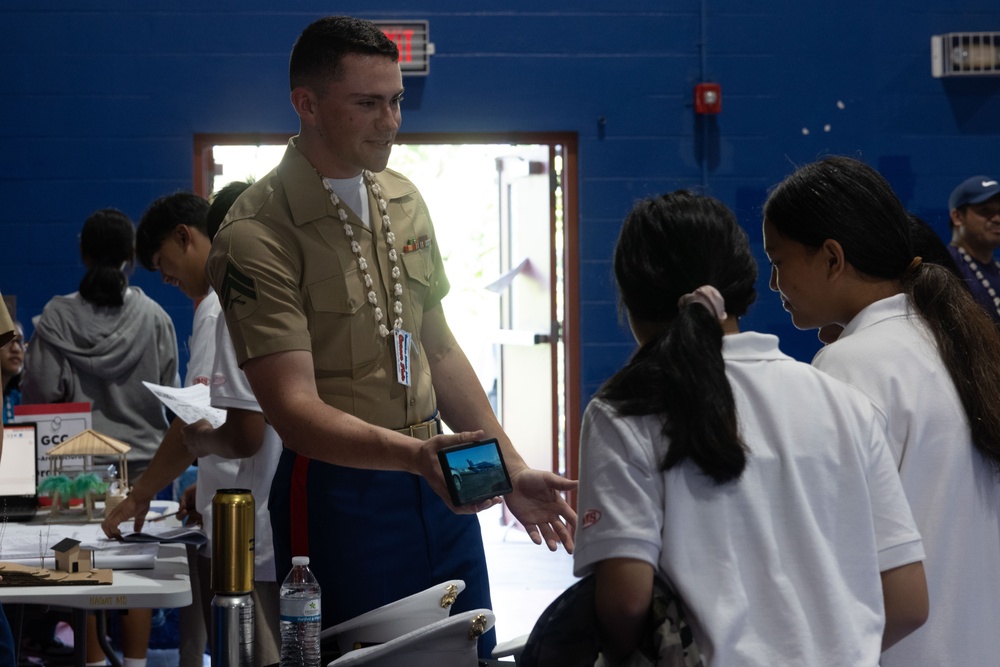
[{"x": 288, "y": 279}]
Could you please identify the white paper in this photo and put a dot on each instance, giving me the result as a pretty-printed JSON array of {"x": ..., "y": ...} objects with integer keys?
[
  {"x": 189, "y": 403},
  {"x": 504, "y": 281}
]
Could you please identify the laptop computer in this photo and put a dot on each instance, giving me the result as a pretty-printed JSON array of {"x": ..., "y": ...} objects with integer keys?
[{"x": 18, "y": 472}]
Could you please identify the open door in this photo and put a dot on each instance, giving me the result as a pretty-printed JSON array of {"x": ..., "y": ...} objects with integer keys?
[
  {"x": 504, "y": 209},
  {"x": 528, "y": 334}
]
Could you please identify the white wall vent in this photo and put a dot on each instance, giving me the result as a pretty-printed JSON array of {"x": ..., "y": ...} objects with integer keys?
[{"x": 965, "y": 54}]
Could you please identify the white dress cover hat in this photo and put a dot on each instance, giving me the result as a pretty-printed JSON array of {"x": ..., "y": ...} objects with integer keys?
[
  {"x": 395, "y": 619},
  {"x": 451, "y": 642}
]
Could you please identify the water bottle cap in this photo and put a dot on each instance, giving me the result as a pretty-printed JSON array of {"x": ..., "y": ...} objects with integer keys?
[{"x": 300, "y": 560}]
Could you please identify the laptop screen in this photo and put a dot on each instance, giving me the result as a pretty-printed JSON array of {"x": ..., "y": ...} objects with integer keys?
[{"x": 18, "y": 462}]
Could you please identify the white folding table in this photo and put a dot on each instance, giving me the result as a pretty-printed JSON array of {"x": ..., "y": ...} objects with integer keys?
[{"x": 166, "y": 585}]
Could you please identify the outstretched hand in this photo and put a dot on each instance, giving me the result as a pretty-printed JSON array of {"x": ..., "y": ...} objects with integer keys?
[
  {"x": 538, "y": 503},
  {"x": 537, "y": 500},
  {"x": 130, "y": 507}
]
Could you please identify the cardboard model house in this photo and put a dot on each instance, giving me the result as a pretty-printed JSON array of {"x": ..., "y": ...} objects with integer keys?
[{"x": 71, "y": 558}]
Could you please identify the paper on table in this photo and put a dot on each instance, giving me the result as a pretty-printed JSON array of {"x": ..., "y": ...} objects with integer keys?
[
  {"x": 30, "y": 544},
  {"x": 189, "y": 403},
  {"x": 181, "y": 534}
]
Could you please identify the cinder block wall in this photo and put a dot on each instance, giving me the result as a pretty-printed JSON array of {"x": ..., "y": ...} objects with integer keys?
[{"x": 99, "y": 102}]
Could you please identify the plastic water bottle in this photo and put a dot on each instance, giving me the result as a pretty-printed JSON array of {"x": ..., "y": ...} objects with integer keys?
[{"x": 300, "y": 616}]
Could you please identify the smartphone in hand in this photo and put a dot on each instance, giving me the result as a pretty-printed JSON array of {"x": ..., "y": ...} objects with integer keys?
[{"x": 474, "y": 471}]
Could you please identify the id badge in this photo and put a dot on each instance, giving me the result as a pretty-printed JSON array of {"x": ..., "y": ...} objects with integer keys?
[{"x": 401, "y": 342}]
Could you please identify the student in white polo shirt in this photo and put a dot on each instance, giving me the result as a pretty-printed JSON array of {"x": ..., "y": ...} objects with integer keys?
[
  {"x": 928, "y": 356},
  {"x": 761, "y": 488},
  {"x": 248, "y": 437}
]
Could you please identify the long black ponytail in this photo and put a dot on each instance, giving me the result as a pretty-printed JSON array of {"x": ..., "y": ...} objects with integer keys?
[{"x": 668, "y": 247}]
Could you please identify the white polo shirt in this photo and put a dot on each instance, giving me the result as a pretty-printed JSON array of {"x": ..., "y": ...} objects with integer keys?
[
  {"x": 780, "y": 567},
  {"x": 214, "y": 472},
  {"x": 230, "y": 389},
  {"x": 888, "y": 352}
]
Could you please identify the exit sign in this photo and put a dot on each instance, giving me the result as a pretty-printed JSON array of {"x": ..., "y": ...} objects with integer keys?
[{"x": 415, "y": 48}]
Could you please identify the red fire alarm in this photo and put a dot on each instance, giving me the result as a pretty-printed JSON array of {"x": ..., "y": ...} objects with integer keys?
[{"x": 707, "y": 98}]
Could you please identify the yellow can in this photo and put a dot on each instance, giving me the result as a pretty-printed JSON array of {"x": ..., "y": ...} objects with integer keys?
[{"x": 232, "y": 541}]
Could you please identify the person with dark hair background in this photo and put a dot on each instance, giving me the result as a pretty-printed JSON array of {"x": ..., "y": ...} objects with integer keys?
[
  {"x": 928, "y": 356},
  {"x": 714, "y": 460},
  {"x": 12, "y": 367},
  {"x": 171, "y": 239},
  {"x": 174, "y": 237},
  {"x": 97, "y": 346},
  {"x": 7, "y": 649}
]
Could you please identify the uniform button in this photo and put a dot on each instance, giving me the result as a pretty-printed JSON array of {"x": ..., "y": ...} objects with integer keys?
[
  {"x": 350, "y": 303},
  {"x": 413, "y": 401}
]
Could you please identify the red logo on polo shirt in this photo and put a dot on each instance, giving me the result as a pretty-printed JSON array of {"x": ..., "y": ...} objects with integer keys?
[{"x": 590, "y": 517}]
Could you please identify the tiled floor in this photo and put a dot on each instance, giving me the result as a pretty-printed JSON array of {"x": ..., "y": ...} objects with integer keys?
[{"x": 524, "y": 577}]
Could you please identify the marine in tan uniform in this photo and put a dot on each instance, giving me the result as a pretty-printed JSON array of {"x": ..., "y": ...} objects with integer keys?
[
  {"x": 308, "y": 287},
  {"x": 319, "y": 305}
]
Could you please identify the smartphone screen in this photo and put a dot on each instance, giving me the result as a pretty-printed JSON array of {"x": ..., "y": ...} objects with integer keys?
[{"x": 474, "y": 471}]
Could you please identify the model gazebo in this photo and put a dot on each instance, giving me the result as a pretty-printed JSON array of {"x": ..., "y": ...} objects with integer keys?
[{"x": 87, "y": 444}]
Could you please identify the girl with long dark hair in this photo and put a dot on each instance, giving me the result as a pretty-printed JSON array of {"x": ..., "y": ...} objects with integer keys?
[
  {"x": 928, "y": 356},
  {"x": 761, "y": 488}
]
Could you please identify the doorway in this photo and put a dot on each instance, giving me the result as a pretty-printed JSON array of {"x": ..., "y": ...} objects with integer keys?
[
  {"x": 504, "y": 208},
  {"x": 505, "y": 211}
]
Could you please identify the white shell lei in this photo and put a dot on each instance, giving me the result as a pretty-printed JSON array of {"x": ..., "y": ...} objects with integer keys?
[
  {"x": 981, "y": 277},
  {"x": 390, "y": 239}
]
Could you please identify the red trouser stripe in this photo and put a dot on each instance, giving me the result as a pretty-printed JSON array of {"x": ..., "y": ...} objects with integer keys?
[{"x": 299, "y": 506}]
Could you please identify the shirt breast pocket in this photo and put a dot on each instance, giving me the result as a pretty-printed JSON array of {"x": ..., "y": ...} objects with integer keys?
[
  {"x": 419, "y": 268},
  {"x": 341, "y": 324}
]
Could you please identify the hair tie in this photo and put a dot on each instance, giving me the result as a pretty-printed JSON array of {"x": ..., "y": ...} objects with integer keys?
[
  {"x": 709, "y": 297},
  {"x": 914, "y": 264}
]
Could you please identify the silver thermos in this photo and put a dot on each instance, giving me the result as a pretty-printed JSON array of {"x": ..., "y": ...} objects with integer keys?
[{"x": 232, "y": 578}]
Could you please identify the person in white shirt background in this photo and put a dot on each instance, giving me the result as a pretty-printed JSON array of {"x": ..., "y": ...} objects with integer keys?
[
  {"x": 246, "y": 436},
  {"x": 172, "y": 240}
]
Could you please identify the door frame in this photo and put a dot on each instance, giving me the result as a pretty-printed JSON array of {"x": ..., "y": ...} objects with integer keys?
[{"x": 204, "y": 169}]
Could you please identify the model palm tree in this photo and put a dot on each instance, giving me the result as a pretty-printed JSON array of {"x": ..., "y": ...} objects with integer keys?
[
  {"x": 59, "y": 488},
  {"x": 87, "y": 483},
  {"x": 86, "y": 486}
]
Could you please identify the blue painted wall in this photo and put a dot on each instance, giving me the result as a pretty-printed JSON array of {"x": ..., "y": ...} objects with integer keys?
[{"x": 99, "y": 102}]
